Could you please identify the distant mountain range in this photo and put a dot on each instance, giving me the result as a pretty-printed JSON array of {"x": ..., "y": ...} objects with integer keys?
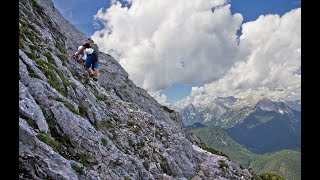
[
  {"x": 208, "y": 114},
  {"x": 256, "y": 122},
  {"x": 228, "y": 111},
  {"x": 286, "y": 163},
  {"x": 295, "y": 105}
]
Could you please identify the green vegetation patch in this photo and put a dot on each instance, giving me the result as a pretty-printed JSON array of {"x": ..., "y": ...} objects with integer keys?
[
  {"x": 77, "y": 169},
  {"x": 36, "y": 6},
  {"x": 66, "y": 104},
  {"x": 30, "y": 55},
  {"x": 63, "y": 58},
  {"x": 82, "y": 111},
  {"x": 100, "y": 98},
  {"x": 35, "y": 48},
  {"x": 60, "y": 48},
  {"x": 107, "y": 124},
  {"x": 49, "y": 57},
  {"x": 34, "y": 75},
  {"x": 49, "y": 141},
  {"x": 146, "y": 164},
  {"x": 32, "y": 124},
  {"x": 209, "y": 149},
  {"x": 165, "y": 166},
  {"x": 49, "y": 71},
  {"x": 135, "y": 129},
  {"x": 104, "y": 141},
  {"x": 83, "y": 159},
  {"x": 270, "y": 176},
  {"x": 222, "y": 164}
]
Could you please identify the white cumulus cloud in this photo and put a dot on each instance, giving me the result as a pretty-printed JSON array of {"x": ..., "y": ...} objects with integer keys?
[
  {"x": 161, "y": 98},
  {"x": 270, "y": 61},
  {"x": 160, "y": 43}
]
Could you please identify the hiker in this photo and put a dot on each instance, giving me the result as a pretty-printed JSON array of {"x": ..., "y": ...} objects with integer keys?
[
  {"x": 81, "y": 57},
  {"x": 92, "y": 52}
]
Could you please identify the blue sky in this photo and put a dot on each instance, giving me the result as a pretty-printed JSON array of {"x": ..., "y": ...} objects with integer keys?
[{"x": 81, "y": 12}]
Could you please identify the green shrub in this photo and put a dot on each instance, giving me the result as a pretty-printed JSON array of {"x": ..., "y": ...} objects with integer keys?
[
  {"x": 107, "y": 124},
  {"x": 51, "y": 122},
  {"x": 136, "y": 151},
  {"x": 62, "y": 57},
  {"x": 104, "y": 141},
  {"x": 71, "y": 108},
  {"x": 49, "y": 141},
  {"x": 30, "y": 35},
  {"x": 49, "y": 57},
  {"x": 37, "y": 7},
  {"x": 65, "y": 140},
  {"x": 31, "y": 55},
  {"x": 146, "y": 164},
  {"x": 100, "y": 98},
  {"x": 126, "y": 151},
  {"x": 74, "y": 86},
  {"x": 32, "y": 124},
  {"x": 130, "y": 142},
  {"x": 222, "y": 164},
  {"x": 60, "y": 48},
  {"x": 34, "y": 75},
  {"x": 56, "y": 98},
  {"x": 66, "y": 104},
  {"x": 83, "y": 159},
  {"x": 165, "y": 166},
  {"x": 82, "y": 111},
  {"x": 270, "y": 176},
  {"x": 43, "y": 111},
  {"x": 34, "y": 48},
  {"x": 77, "y": 169}
]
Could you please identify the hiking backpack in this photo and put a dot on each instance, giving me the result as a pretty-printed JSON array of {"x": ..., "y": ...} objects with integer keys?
[{"x": 95, "y": 54}]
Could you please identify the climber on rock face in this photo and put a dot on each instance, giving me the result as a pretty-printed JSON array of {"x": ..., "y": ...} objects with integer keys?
[{"x": 91, "y": 50}]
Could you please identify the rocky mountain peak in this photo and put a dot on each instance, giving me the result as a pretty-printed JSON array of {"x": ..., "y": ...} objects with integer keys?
[{"x": 71, "y": 127}]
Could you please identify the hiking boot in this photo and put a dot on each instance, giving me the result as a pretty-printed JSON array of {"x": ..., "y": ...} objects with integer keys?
[
  {"x": 95, "y": 78},
  {"x": 92, "y": 75}
]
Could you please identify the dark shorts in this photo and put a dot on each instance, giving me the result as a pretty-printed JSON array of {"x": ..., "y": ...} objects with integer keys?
[{"x": 91, "y": 65}]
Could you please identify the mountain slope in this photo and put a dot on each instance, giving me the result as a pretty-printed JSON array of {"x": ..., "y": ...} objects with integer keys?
[
  {"x": 217, "y": 138},
  {"x": 286, "y": 163},
  {"x": 268, "y": 131},
  {"x": 73, "y": 128}
]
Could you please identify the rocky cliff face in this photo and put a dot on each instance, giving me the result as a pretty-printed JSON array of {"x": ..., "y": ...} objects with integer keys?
[{"x": 73, "y": 128}]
